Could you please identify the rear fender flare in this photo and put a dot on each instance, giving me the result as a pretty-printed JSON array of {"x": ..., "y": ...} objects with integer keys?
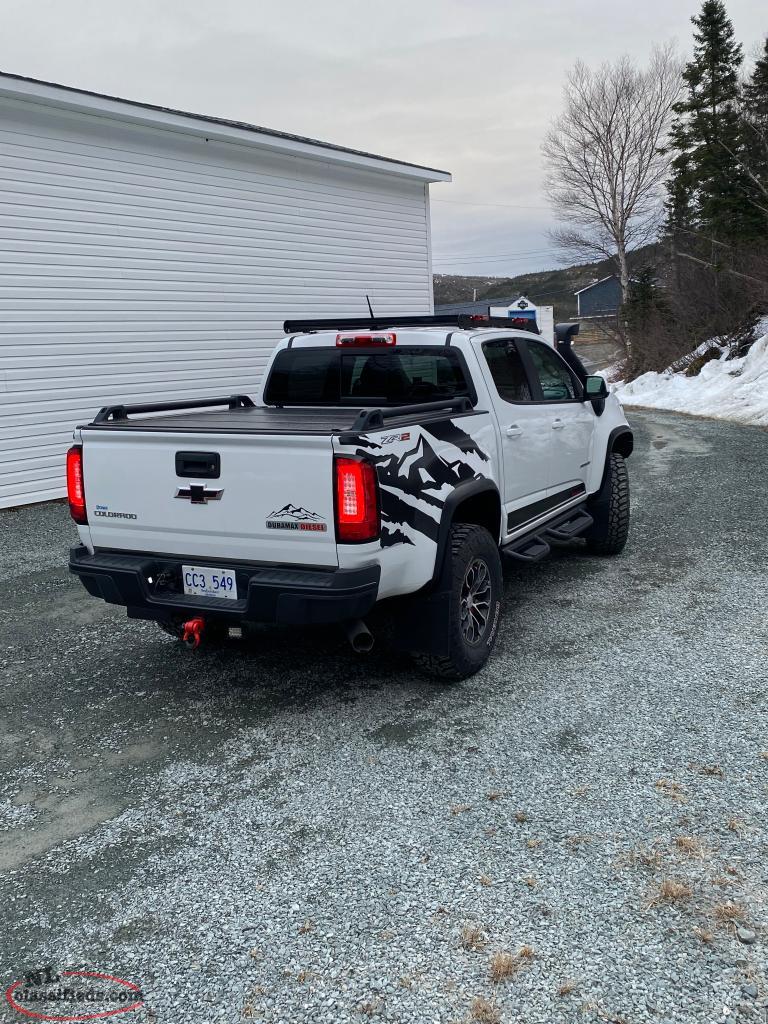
[{"x": 471, "y": 489}]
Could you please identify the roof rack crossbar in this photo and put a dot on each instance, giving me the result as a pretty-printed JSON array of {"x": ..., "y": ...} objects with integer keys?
[
  {"x": 462, "y": 321},
  {"x": 121, "y": 412},
  {"x": 371, "y": 419}
]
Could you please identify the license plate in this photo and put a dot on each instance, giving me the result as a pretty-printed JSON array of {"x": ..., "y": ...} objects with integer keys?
[{"x": 208, "y": 582}]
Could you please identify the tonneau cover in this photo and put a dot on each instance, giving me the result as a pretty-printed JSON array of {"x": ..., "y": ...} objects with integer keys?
[
  {"x": 319, "y": 421},
  {"x": 258, "y": 419}
]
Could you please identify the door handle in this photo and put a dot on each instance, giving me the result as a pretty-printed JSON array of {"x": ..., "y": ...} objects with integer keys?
[
  {"x": 558, "y": 424},
  {"x": 513, "y": 430}
]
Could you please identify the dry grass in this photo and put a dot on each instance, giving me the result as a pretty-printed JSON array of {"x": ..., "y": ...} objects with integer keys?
[
  {"x": 495, "y": 795},
  {"x": 521, "y": 817},
  {"x": 671, "y": 789},
  {"x": 723, "y": 881},
  {"x": 531, "y": 882},
  {"x": 503, "y": 965},
  {"x": 729, "y": 912},
  {"x": 490, "y": 831},
  {"x": 371, "y": 1007},
  {"x": 764, "y": 755},
  {"x": 484, "y": 1012},
  {"x": 712, "y": 770},
  {"x": 671, "y": 890},
  {"x": 533, "y": 844},
  {"x": 506, "y": 965},
  {"x": 705, "y": 935},
  {"x": 735, "y": 825},
  {"x": 581, "y": 790},
  {"x": 645, "y": 856},
  {"x": 307, "y": 926},
  {"x": 473, "y": 937},
  {"x": 608, "y": 1017},
  {"x": 485, "y": 880},
  {"x": 565, "y": 988},
  {"x": 689, "y": 845},
  {"x": 460, "y": 808},
  {"x": 255, "y": 953},
  {"x": 605, "y": 1015},
  {"x": 576, "y": 841}
]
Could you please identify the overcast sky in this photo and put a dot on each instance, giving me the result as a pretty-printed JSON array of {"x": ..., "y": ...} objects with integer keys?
[{"x": 464, "y": 86}]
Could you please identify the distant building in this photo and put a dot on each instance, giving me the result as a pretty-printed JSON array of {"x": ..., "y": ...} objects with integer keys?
[
  {"x": 601, "y": 298},
  {"x": 512, "y": 306},
  {"x": 523, "y": 308}
]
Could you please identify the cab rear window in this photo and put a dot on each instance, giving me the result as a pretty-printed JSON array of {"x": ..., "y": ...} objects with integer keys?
[{"x": 329, "y": 376}]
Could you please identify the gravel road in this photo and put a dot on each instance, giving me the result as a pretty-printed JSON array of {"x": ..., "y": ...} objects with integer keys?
[{"x": 291, "y": 833}]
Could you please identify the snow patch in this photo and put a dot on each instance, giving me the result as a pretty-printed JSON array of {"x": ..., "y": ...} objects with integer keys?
[{"x": 726, "y": 389}]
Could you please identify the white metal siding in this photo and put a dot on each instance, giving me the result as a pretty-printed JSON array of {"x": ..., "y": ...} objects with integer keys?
[{"x": 142, "y": 264}]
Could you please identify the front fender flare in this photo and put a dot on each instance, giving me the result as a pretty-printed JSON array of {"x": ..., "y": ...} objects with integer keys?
[{"x": 621, "y": 440}]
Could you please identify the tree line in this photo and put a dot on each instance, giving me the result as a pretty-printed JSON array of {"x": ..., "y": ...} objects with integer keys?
[{"x": 675, "y": 154}]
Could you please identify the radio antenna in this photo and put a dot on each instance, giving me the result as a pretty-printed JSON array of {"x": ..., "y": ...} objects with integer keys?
[{"x": 370, "y": 307}]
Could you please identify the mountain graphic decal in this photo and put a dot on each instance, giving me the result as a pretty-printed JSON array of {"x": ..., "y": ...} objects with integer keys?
[{"x": 296, "y": 512}]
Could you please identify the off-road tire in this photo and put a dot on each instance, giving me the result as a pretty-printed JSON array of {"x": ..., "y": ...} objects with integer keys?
[
  {"x": 468, "y": 545},
  {"x": 611, "y": 527}
]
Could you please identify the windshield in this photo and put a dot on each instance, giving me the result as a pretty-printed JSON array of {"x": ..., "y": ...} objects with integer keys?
[{"x": 330, "y": 376}]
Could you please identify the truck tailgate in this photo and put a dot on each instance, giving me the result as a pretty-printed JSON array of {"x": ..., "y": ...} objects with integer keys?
[{"x": 144, "y": 492}]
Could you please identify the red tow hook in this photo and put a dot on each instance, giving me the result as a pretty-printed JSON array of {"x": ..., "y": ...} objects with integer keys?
[{"x": 193, "y": 632}]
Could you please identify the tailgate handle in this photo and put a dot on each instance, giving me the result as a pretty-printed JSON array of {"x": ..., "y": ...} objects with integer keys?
[{"x": 198, "y": 465}]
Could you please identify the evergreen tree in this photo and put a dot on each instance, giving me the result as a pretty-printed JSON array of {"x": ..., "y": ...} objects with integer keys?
[
  {"x": 755, "y": 112},
  {"x": 755, "y": 92},
  {"x": 709, "y": 191},
  {"x": 646, "y": 302}
]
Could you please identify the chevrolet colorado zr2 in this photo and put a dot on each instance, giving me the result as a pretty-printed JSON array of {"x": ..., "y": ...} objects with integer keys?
[{"x": 390, "y": 459}]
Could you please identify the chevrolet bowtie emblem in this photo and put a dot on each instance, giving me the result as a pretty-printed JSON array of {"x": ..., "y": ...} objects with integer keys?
[{"x": 198, "y": 494}]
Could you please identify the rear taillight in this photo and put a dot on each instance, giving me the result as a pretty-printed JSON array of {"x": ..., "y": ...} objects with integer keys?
[
  {"x": 357, "y": 504},
  {"x": 75, "y": 485}
]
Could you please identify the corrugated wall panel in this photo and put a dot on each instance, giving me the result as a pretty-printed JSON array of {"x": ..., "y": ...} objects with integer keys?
[{"x": 140, "y": 264}]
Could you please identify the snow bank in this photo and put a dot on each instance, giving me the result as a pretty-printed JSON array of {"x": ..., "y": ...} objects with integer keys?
[{"x": 735, "y": 389}]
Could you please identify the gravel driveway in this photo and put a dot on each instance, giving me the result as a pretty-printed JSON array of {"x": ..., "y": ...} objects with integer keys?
[{"x": 296, "y": 834}]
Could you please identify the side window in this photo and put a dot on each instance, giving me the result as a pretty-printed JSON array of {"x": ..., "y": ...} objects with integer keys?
[
  {"x": 557, "y": 382},
  {"x": 507, "y": 371}
]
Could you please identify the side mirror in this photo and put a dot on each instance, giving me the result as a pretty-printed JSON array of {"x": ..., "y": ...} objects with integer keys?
[{"x": 595, "y": 388}]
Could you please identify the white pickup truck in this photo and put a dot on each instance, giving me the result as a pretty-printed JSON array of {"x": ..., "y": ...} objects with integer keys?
[{"x": 389, "y": 459}]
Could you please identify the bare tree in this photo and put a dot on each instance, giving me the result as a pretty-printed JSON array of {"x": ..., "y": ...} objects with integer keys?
[{"x": 605, "y": 157}]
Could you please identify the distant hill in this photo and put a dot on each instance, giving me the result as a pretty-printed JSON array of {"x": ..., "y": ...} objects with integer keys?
[{"x": 545, "y": 287}]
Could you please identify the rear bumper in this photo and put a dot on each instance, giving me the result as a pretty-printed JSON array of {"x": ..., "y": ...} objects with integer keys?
[{"x": 267, "y": 593}]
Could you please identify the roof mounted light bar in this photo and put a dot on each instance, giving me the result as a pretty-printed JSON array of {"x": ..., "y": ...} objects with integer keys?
[{"x": 461, "y": 321}]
